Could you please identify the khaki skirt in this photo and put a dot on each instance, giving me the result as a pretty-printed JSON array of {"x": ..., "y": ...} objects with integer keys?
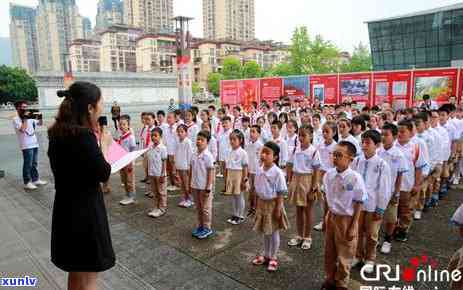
[
  {"x": 300, "y": 190},
  {"x": 233, "y": 185},
  {"x": 265, "y": 222}
]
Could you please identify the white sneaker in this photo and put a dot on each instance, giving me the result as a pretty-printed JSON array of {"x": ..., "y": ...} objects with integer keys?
[
  {"x": 355, "y": 262},
  {"x": 417, "y": 215},
  {"x": 155, "y": 213},
  {"x": 318, "y": 227},
  {"x": 30, "y": 186},
  {"x": 386, "y": 248},
  {"x": 127, "y": 201},
  {"x": 369, "y": 267},
  {"x": 456, "y": 181},
  {"x": 40, "y": 182},
  {"x": 220, "y": 175},
  {"x": 182, "y": 203},
  {"x": 172, "y": 188},
  {"x": 189, "y": 203}
]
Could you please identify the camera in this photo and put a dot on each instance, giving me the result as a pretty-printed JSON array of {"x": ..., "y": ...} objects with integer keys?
[
  {"x": 33, "y": 114},
  {"x": 103, "y": 121}
]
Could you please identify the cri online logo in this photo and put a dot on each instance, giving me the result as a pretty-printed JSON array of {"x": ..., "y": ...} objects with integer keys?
[{"x": 420, "y": 269}]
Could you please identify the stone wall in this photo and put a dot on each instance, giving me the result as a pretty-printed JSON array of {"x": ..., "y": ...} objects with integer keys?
[{"x": 125, "y": 88}]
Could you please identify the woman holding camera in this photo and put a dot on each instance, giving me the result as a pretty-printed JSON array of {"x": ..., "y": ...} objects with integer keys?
[{"x": 80, "y": 238}]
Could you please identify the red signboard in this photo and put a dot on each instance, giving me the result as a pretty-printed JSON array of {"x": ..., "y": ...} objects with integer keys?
[
  {"x": 229, "y": 92},
  {"x": 440, "y": 84},
  {"x": 248, "y": 92},
  {"x": 324, "y": 88},
  {"x": 460, "y": 92},
  {"x": 355, "y": 87},
  {"x": 391, "y": 87},
  {"x": 271, "y": 89}
]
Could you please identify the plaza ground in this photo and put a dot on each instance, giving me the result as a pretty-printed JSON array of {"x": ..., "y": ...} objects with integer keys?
[{"x": 161, "y": 254}]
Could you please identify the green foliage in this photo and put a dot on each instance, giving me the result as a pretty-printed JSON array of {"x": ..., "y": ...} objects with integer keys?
[
  {"x": 361, "y": 60},
  {"x": 196, "y": 89},
  {"x": 231, "y": 68},
  {"x": 16, "y": 84},
  {"x": 213, "y": 83},
  {"x": 251, "y": 69},
  {"x": 281, "y": 69}
]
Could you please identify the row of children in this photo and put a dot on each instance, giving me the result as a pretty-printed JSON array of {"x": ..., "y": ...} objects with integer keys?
[{"x": 364, "y": 170}]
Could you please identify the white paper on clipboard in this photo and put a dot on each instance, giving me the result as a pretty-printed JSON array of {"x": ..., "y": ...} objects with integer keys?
[{"x": 126, "y": 160}]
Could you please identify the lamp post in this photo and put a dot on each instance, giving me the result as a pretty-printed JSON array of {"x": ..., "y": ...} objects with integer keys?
[{"x": 184, "y": 65}]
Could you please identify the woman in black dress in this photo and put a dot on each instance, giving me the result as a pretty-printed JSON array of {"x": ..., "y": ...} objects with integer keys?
[{"x": 80, "y": 238}]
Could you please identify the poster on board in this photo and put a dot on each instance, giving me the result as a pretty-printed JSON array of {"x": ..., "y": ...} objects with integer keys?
[
  {"x": 229, "y": 92},
  {"x": 439, "y": 84},
  {"x": 355, "y": 87},
  {"x": 248, "y": 92},
  {"x": 296, "y": 88},
  {"x": 271, "y": 89},
  {"x": 324, "y": 88}
]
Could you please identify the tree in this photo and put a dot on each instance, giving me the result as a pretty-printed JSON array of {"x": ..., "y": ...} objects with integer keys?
[
  {"x": 361, "y": 60},
  {"x": 195, "y": 88},
  {"x": 16, "y": 84},
  {"x": 251, "y": 69},
  {"x": 231, "y": 68},
  {"x": 281, "y": 69},
  {"x": 213, "y": 83}
]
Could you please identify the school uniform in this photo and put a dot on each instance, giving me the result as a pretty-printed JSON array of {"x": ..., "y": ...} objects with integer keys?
[
  {"x": 415, "y": 160},
  {"x": 318, "y": 136},
  {"x": 224, "y": 145},
  {"x": 192, "y": 133},
  {"x": 292, "y": 142},
  {"x": 145, "y": 142},
  {"x": 397, "y": 165},
  {"x": 237, "y": 124},
  {"x": 266, "y": 135},
  {"x": 212, "y": 147},
  {"x": 157, "y": 155},
  {"x": 247, "y": 134},
  {"x": 376, "y": 175},
  {"x": 183, "y": 155},
  {"x": 426, "y": 145},
  {"x": 128, "y": 142},
  {"x": 445, "y": 145},
  {"x": 326, "y": 155},
  {"x": 343, "y": 190},
  {"x": 304, "y": 163},
  {"x": 283, "y": 151},
  {"x": 270, "y": 184},
  {"x": 235, "y": 162},
  {"x": 253, "y": 150},
  {"x": 201, "y": 163}
]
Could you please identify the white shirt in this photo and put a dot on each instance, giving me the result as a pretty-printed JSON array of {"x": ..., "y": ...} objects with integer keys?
[
  {"x": 247, "y": 135},
  {"x": 156, "y": 156},
  {"x": 271, "y": 183},
  {"x": 415, "y": 160},
  {"x": 127, "y": 141},
  {"x": 292, "y": 143},
  {"x": 435, "y": 152},
  {"x": 283, "y": 150},
  {"x": 265, "y": 135},
  {"x": 318, "y": 137},
  {"x": 343, "y": 189},
  {"x": 237, "y": 159},
  {"x": 253, "y": 151},
  {"x": 354, "y": 142},
  {"x": 169, "y": 137},
  {"x": 444, "y": 143},
  {"x": 200, "y": 163},
  {"x": 212, "y": 147},
  {"x": 224, "y": 144},
  {"x": 424, "y": 149},
  {"x": 28, "y": 138},
  {"x": 376, "y": 175},
  {"x": 429, "y": 141},
  {"x": 183, "y": 153},
  {"x": 451, "y": 130},
  {"x": 396, "y": 161},
  {"x": 326, "y": 155},
  {"x": 305, "y": 161},
  {"x": 192, "y": 131}
]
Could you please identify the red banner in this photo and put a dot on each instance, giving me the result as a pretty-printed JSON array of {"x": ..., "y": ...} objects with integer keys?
[
  {"x": 324, "y": 88},
  {"x": 229, "y": 92},
  {"x": 460, "y": 92},
  {"x": 440, "y": 84},
  {"x": 271, "y": 89},
  {"x": 355, "y": 87},
  {"x": 391, "y": 87},
  {"x": 248, "y": 92}
]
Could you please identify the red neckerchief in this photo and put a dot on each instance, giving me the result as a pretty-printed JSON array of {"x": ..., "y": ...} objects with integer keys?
[{"x": 123, "y": 137}]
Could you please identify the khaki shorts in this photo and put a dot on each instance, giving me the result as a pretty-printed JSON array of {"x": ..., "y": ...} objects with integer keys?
[
  {"x": 390, "y": 215},
  {"x": 300, "y": 190},
  {"x": 233, "y": 185}
]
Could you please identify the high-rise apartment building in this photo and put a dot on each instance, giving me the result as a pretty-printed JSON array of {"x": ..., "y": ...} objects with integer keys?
[
  {"x": 118, "y": 49},
  {"x": 153, "y": 16},
  {"x": 229, "y": 19},
  {"x": 109, "y": 12},
  {"x": 58, "y": 24},
  {"x": 84, "y": 55},
  {"x": 156, "y": 53},
  {"x": 23, "y": 34},
  {"x": 87, "y": 27}
]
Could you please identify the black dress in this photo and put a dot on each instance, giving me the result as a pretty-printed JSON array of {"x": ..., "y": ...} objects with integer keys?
[{"x": 80, "y": 238}]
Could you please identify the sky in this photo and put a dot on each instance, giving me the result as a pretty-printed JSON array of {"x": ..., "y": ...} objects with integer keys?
[{"x": 340, "y": 21}]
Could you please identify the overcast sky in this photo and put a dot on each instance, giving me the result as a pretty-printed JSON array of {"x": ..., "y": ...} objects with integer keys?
[{"x": 341, "y": 21}]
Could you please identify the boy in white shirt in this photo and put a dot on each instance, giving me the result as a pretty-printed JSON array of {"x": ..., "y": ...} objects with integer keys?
[
  {"x": 169, "y": 131},
  {"x": 377, "y": 177},
  {"x": 224, "y": 145},
  {"x": 157, "y": 160},
  {"x": 445, "y": 145},
  {"x": 202, "y": 184},
  {"x": 411, "y": 180},
  {"x": 345, "y": 194},
  {"x": 127, "y": 141},
  {"x": 444, "y": 113},
  {"x": 253, "y": 148},
  {"x": 275, "y": 128},
  {"x": 397, "y": 164}
]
